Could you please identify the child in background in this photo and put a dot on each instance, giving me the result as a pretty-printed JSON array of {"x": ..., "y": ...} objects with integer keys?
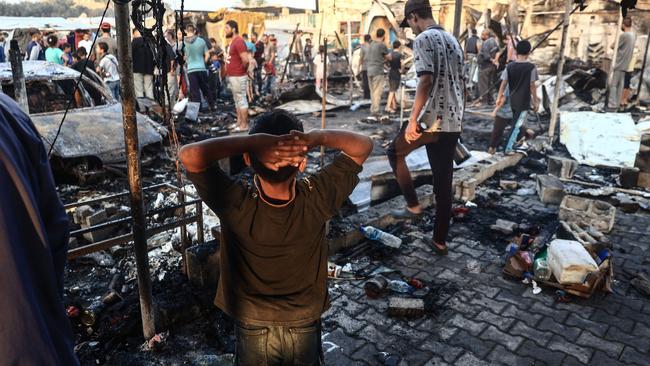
[
  {"x": 67, "y": 54},
  {"x": 53, "y": 52},
  {"x": 269, "y": 70},
  {"x": 215, "y": 73}
]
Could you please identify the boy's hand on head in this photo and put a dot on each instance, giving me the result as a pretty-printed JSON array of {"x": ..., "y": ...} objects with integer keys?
[
  {"x": 276, "y": 152},
  {"x": 309, "y": 139}
]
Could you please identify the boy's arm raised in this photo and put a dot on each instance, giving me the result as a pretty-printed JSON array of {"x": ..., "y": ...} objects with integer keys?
[
  {"x": 199, "y": 156},
  {"x": 358, "y": 147}
]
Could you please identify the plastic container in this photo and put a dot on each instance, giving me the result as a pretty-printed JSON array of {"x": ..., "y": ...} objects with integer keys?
[
  {"x": 400, "y": 287},
  {"x": 569, "y": 261},
  {"x": 385, "y": 238},
  {"x": 542, "y": 269}
]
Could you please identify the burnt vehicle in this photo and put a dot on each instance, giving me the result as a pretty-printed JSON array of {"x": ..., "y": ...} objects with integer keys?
[{"x": 92, "y": 137}]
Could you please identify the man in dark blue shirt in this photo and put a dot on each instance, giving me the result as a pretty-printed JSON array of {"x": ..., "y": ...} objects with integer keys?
[{"x": 33, "y": 246}]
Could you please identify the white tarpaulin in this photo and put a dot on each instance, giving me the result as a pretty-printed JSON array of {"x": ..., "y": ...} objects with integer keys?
[
  {"x": 55, "y": 23},
  {"x": 610, "y": 139}
]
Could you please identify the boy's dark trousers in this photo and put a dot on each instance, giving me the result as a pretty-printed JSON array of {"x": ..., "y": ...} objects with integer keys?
[
  {"x": 366, "y": 84},
  {"x": 278, "y": 345},
  {"x": 199, "y": 84}
]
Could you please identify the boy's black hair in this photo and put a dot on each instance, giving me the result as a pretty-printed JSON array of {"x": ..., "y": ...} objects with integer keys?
[
  {"x": 277, "y": 122},
  {"x": 103, "y": 46},
  {"x": 380, "y": 32},
  {"x": 66, "y": 45},
  {"x": 423, "y": 13},
  {"x": 397, "y": 44},
  {"x": 523, "y": 47},
  {"x": 81, "y": 52},
  {"x": 367, "y": 38},
  {"x": 233, "y": 24},
  {"x": 52, "y": 40}
]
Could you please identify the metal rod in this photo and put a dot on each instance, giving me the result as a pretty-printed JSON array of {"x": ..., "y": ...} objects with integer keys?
[
  {"x": 458, "y": 13},
  {"x": 112, "y": 196},
  {"x": 560, "y": 66},
  {"x": 286, "y": 63},
  {"x": 645, "y": 59},
  {"x": 199, "y": 222},
  {"x": 123, "y": 26},
  {"x": 324, "y": 100},
  {"x": 610, "y": 76},
  {"x": 124, "y": 239},
  {"x": 20, "y": 90},
  {"x": 349, "y": 27}
]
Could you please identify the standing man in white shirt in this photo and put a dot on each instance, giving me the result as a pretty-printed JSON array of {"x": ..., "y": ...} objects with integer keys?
[
  {"x": 436, "y": 117},
  {"x": 86, "y": 43}
]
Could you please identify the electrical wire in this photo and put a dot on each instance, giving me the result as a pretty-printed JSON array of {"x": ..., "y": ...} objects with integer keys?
[{"x": 76, "y": 85}]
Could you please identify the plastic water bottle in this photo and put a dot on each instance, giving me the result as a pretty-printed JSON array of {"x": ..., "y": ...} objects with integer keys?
[
  {"x": 400, "y": 287},
  {"x": 385, "y": 238},
  {"x": 542, "y": 269}
]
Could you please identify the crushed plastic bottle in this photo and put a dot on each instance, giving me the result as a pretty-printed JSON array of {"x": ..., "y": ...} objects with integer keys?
[
  {"x": 383, "y": 237},
  {"x": 542, "y": 269},
  {"x": 400, "y": 287}
]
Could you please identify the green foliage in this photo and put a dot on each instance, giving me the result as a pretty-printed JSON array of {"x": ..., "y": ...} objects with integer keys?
[{"x": 47, "y": 8}]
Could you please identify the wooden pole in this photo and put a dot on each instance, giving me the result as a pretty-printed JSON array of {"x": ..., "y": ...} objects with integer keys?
[
  {"x": 324, "y": 100},
  {"x": 286, "y": 62},
  {"x": 20, "y": 90},
  {"x": 350, "y": 61},
  {"x": 611, "y": 67},
  {"x": 643, "y": 64},
  {"x": 127, "y": 89},
  {"x": 458, "y": 12},
  {"x": 560, "y": 66}
]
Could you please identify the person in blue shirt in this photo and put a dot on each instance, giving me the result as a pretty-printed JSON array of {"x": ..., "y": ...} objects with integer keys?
[
  {"x": 250, "y": 45},
  {"x": 53, "y": 52},
  {"x": 33, "y": 248},
  {"x": 197, "y": 54}
]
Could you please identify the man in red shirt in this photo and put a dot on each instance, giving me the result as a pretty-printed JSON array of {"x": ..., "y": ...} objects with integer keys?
[{"x": 236, "y": 72}]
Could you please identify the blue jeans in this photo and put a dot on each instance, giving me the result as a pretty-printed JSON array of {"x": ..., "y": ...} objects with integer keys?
[
  {"x": 114, "y": 87},
  {"x": 270, "y": 79},
  {"x": 278, "y": 345}
]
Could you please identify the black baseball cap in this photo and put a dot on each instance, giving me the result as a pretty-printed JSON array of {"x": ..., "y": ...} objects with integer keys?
[{"x": 411, "y": 6}]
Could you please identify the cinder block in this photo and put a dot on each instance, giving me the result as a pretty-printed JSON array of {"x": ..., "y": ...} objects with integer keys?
[
  {"x": 629, "y": 177},
  {"x": 97, "y": 218},
  {"x": 202, "y": 263},
  {"x": 587, "y": 212},
  {"x": 81, "y": 213},
  {"x": 561, "y": 167},
  {"x": 550, "y": 189},
  {"x": 469, "y": 190},
  {"x": 405, "y": 307}
]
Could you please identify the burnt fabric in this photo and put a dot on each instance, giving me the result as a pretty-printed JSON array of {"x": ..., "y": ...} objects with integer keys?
[
  {"x": 274, "y": 256},
  {"x": 33, "y": 246}
]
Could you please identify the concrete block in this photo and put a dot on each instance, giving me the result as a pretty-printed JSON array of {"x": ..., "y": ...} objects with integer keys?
[
  {"x": 97, "y": 218},
  {"x": 561, "y": 167},
  {"x": 469, "y": 190},
  {"x": 550, "y": 189},
  {"x": 629, "y": 177},
  {"x": 202, "y": 263},
  {"x": 405, "y": 307},
  {"x": 508, "y": 184},
  {"x": 504, "y": 226},
  {"x": 587, "y": 212},
  {"x": 81, "y": 213}
]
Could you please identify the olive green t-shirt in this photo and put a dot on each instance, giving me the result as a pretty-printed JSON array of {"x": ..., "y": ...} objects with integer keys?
[{"x": 274, "y": 257}]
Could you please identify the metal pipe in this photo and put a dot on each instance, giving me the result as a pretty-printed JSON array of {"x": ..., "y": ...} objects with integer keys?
[
  {"x": 286, "y": 63},
  {"x": 645, "y": 59},
  {"x": 324, "y": 100},
  {"x": 458, "y": 12},
  {"x": 560, "y": 66},
  {"x": 122, "y": 27},
  {"x": 20, "y": 90}
]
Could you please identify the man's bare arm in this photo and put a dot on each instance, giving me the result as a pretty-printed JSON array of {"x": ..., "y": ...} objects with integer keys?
[
  {"x": 357, "y": 146},
  {"x": 199, "y": 156}
]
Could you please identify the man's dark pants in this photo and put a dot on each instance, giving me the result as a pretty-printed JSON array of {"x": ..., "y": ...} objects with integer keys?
[
  {"x": 366, "y": 84},
  {"x": 485, "y": 81},
  {"x": 199, "y": 84},
  {"x": 440, "y": 150},
  {"x": 258, "y": 77},
  {"x": 278, "y": 345}
]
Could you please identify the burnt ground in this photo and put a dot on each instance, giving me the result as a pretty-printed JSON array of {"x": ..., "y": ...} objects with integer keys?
[{"x": 473, "y": 314}]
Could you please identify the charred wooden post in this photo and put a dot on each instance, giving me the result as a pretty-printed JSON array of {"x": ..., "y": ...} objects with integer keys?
[
  {"x": 560, "y": 66},
  {"x": 286, "y": 62},
  {"x": 127, "y": 91},
  {"x": 20, "y": 90}
]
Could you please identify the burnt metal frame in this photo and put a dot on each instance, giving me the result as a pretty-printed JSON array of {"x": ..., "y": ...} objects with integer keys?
[{"x": 124, "y": 239}]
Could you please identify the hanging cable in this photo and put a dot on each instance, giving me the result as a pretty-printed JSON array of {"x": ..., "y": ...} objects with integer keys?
[{"x": 76, "y": 85}]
